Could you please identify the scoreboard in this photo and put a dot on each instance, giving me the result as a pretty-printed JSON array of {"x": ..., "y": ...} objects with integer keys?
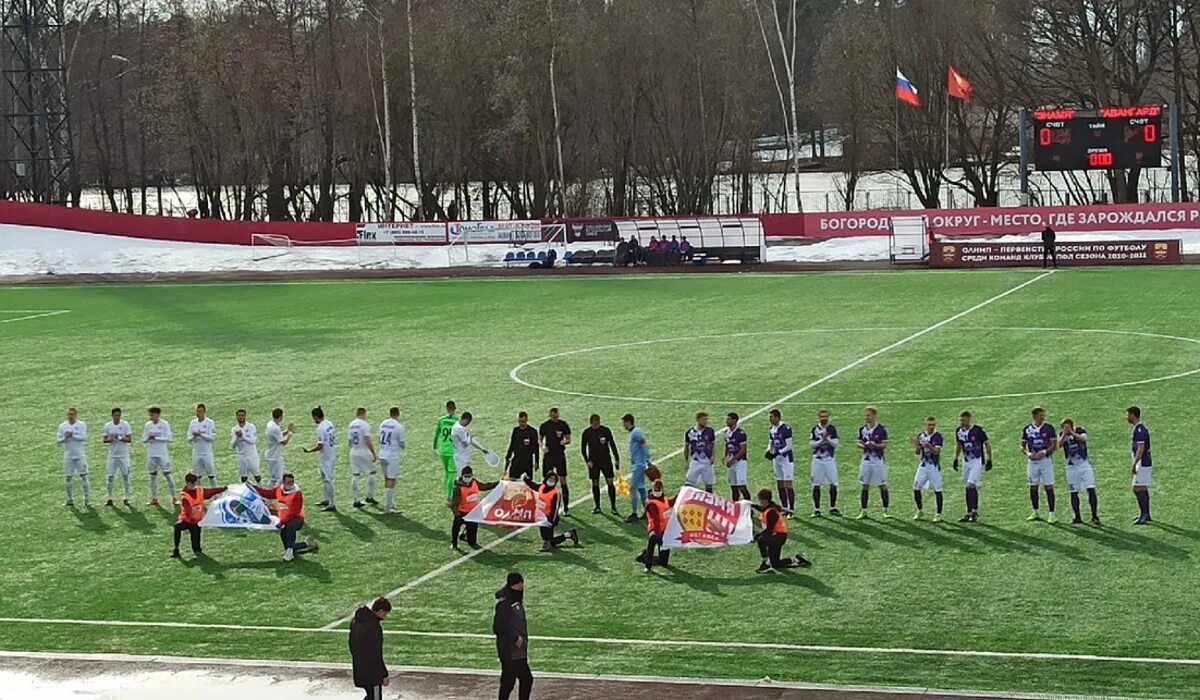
[{"x": 1100, "y": 139}]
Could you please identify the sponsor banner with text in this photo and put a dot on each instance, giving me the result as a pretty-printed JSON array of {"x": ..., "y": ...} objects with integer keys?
[
  {"x": 400, "y": 233},
  {"x": 522, "y": 231},
  {"x": 592, "y": 232},
  {"x": 1072, "y": 254},
  {"x": 510, "y": 504}
]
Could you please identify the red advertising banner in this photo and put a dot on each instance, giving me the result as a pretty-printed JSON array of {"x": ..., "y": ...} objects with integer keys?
[{"x": 1073, "y": 254}]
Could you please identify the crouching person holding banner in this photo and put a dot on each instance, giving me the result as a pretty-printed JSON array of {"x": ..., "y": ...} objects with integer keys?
[
  {"x": 464, "y": 500},
  {"x": 656, "y": 526},
  {"x": 773, "y": 536},
  {"x": 290, "y": 503},
  {"x": 191, "y": 512},
  {"x": 550, "y": 497}
]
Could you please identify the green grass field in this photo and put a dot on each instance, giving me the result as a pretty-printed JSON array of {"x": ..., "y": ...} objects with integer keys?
[{"x": 675, "y": 345}]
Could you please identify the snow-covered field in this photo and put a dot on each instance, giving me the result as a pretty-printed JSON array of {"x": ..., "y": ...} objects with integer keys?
[{"x": 28, "y": 250}]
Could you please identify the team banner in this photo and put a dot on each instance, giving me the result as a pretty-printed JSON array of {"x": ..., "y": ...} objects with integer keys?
[
  {"x": 701, "y": 520},
  {"x": 1069, "y": 253},
  {"x": 400, "y": 232},
  {"x": 239, "y": 507},
  {"x": 496, "y": 231},
  {"x": 511, "y": 504}
]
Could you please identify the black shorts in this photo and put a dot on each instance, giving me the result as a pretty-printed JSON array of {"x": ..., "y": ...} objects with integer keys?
[
  {"x": 599, "y": 468},
  {"x": 516, "y": 471},
  {"x": 556, "y": 461}
]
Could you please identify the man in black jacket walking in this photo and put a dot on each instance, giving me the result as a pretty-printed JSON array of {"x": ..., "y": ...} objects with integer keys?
[
  {"x": 366, "y": 648},
  {"x": 512, "y": 638},
  {"x": 1049, "y": 247}
]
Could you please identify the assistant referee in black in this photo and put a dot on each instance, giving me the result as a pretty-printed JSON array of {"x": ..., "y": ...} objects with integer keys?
[
  {"x": 523, "y": 450},
  {"x": 600, "y": 452},
  {"x": 556, "y": 436}
]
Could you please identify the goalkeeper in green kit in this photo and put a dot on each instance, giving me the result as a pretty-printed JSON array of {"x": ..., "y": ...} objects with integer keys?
[{"x": 445, "y": 448}]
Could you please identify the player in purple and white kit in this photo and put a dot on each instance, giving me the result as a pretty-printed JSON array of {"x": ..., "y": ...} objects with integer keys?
[
  {"x": 737, "y": 470},
  {"x": 698, "y": 444},
  {"x": 1038, "y": 442},
  {"x": 782, "y": 456},
  {"x": 928, "y": 444},
  {"x": 971, "y": 443},
  {"x": 872, "y": 440},
  {"x": 1080, "y": 476},
  {"x": 823, "y": 439},
  {"x": 1142, "y": 463}
]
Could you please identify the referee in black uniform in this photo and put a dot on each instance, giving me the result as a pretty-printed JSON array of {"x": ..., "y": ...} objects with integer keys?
[
  {"x": 556, "y": 436},
  {"x": 599, "y": 452},
  {"x": 523, "y": 451}
]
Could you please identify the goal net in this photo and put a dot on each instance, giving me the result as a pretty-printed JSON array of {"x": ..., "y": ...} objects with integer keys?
[{"x": 264, "y": 246}]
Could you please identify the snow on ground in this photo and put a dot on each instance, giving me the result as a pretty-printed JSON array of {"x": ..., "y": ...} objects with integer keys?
[{"x": 26, "y": 250}]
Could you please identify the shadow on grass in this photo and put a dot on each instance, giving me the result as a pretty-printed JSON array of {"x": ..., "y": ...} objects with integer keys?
[
  {"x": 1129, "y": 542},
  {"x": 839, "y": 529},
  {"x": 1033, "y": 543},
  {"x": 980, "y": 533},
  {"x": 354, "y": 527},
  {"x": 1176, "y": 530},
  {"x": 89, "y": 519},
  {"x": 937, "y": 535},
  {"x": 713, "y": 584},
  {"x": 568, "y": 555},
  {"x": 304, "y": 565},
  {"x": 883, "y": 532},
  {"x": 400, "y": 523},
  {"x": 134, "y": 520}
]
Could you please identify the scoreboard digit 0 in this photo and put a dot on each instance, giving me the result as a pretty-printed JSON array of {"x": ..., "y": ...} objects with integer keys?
[{"x": 1101, "y": 139}]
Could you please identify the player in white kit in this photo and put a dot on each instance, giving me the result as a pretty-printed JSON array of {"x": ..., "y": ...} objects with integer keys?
[
  {"x": 872, "y": 471},
  {"x": 277, "y": 438},
  {"x": 698, "y": 444},
  {"x": 201, "y": 433},
  {"x": 156, "y": 436},
  {"x": 118, "y": 435},
  {"x": 462, "y": 441},
  {"x": 823, "y": 471},
  {"x": 327, "y": 446},
  {"x": 928, "y": 445},
  {"x": 72, "y": 435},
  {"x": 971, "y": 442},
  {"x": 737, "y": 469},
  {"x": 1038, "y": 442},
  {"x": 1073, "y": 441},
  {"x": 392, "y": 441},
  {"x": 243, "y": 438},
  {"x": 362, "y": 456},
  {"x": 780, "y": 450}
]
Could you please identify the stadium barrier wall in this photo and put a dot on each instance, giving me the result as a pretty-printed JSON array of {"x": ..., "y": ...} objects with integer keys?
[
  {"x": 942, "y": 222},
  {"x": 1072, "y": 254}
]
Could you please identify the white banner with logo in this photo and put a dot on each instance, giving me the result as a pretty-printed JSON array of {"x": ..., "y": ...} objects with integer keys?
[
  {"x": 510, "y": 504},
  {"x": 401, "y": 232},
  {"x": 702, "y": 520},
  {"x": 521, "y": 231},
  {"x": 239, "y": 507}
]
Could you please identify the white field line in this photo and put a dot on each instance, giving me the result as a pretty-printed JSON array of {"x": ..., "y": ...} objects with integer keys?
[
  {"x": 31, "y": 315},
  {"x": 450, "y": 565},
  {"x": 514, "y": 373},
  {"x": 273, "y": 666},
  {"x": 662, "y": 643}
]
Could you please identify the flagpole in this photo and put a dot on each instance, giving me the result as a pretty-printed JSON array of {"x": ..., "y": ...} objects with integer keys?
[
  {"x": 897, "y": 176},
  {"x": 947, "y": 127}
]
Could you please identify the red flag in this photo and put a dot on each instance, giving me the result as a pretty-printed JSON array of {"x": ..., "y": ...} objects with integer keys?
[{"x": 958, "y": 86}]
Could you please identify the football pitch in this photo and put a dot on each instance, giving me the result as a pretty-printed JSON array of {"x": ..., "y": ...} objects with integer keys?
[{"x": 1000, "y": 605}]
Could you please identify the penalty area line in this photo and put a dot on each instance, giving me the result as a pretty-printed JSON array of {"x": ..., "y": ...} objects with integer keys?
[
  {"x": 31, "y": 314},
  {"x": 455, "y": 563}
]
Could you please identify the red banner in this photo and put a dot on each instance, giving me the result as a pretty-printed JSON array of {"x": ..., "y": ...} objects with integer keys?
[{"x": 1073, "y": 254}]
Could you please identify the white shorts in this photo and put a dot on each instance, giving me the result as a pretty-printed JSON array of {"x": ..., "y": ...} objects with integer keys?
[
  {"x": 1081, "y": 477},
  {"x": 248, "y": 467},
  {"x": 700, "y": 473},
  {"x": 785, "y": 469},
  {"x": 326, "y": 469},
  {"x": 73, "y": 466},
  {"x": 361, "y": 465},
  {"x": 155, "y": 465},
  {"x": 390, "y": 467},
  {"x": 972, "y": 471},
  {"x": 275, "y": 470},
  {"x": 873, "y": 472},
  {"x": 118, "y": 465},
  {"x": 824, "y": 471},
  {"x": 460, "y": 463},
  {"x": 928, "y": 479},
  {"x": 738, "y": 473},
  {"x": 1041, "y": 472},
  {"x": 202, "y": 465},
  {"x": 1142, "y": 477}
]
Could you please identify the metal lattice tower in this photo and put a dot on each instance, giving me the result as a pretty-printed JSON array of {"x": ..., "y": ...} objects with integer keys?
[{"x": 34, "y": 139}]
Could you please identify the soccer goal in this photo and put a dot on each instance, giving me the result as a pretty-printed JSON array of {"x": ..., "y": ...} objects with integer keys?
[
  {"x": 264, "y": 246},
  {"x": 908, "y": 238}
]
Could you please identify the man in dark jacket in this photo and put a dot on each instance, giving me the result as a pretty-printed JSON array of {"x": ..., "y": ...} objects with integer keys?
[
  {"x": 512, "y": 638},
  {"x": 1049, "y": 249},
  {"x": 366, "y": 648}
]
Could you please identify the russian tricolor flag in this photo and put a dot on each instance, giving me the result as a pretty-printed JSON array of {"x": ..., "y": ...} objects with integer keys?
[{"x": 905, "y": 90}]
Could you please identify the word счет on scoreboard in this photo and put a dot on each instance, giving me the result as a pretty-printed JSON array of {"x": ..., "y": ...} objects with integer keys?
[{"x": 1099, "y": 139}]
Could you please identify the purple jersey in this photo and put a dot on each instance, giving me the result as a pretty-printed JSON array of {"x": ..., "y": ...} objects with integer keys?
[
  {"x": 700, "y": 443},
  {"x": 1038, "y": 438},
  {"x": 877, "y": 435},
  {"x": 823, "y": 441},
  {"x": 1076, "y": 450},
  {"x": 1142, "y": 434},
  {"x": 779, "y": 435},
  {"x": 930, "y": 458},
  {"x": 971, "y": 440},
  {"x": 734, "y": 440}
]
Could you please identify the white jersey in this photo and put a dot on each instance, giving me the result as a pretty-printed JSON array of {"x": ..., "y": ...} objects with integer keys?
[
  {"x": 274, "y": 442},
  {"x": 246, "y": 444},
  {"x": 202, "y": 443},
  {"x": 358, "y": 433},
  {"x": 391, "y": 439},
  {"x": 327, "y": 439},
  {"x": 460, "y": 437},
  {"x": 117, "y": 447},
  {"x": 72, "y": 436},
  {"x": 161, "y": 432}
]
